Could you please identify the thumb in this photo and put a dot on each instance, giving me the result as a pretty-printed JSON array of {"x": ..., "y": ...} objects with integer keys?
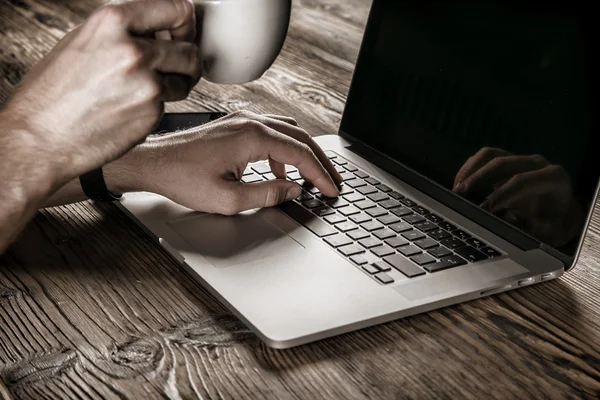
[{"x": 266, "y": 194}]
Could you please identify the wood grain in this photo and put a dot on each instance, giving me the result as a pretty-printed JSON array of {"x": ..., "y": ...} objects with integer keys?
[{"x": 90, "y": 307}]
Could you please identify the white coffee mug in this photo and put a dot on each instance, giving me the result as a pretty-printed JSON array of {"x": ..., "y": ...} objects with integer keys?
[{"x": 240, "y": 39}]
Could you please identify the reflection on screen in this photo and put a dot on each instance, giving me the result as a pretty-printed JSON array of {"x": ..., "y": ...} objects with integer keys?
[{"x": 491, "y": 101}]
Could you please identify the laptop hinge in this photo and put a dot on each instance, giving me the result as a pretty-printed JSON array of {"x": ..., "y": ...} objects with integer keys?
[{"x": 449, "y": 199}]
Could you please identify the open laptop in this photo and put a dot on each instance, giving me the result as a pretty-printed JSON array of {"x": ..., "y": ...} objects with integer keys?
[{"x": 498, "y": 90}]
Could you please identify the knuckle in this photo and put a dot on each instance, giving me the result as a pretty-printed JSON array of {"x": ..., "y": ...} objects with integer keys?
[
  {"x": 110, "y": 16},
  {"x": 184, "y": 9},
  {"x": 131, "y": 56}
]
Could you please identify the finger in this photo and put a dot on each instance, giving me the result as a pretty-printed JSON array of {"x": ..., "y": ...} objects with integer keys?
[
  {"x": 301, "y": 135},
  {"x": 287, "y": 150},
  {"x": 526, "y": 185},
  {"x": 482, "y": 157},
  {"x": 172, "y": 57},
  {"x": 258, "y": 195},
  {"x": 287, "y": 120},
  {"x": 501, "y": 169},
  {"x": 147, "y": 17},
  {"x": 278, "y": 169}
]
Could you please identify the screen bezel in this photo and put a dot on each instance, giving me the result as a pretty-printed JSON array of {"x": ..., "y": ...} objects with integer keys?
[{"x": 488, "y": 221}]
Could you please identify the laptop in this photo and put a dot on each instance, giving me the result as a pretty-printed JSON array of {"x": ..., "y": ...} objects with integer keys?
[{"x": 467, "y": 152}]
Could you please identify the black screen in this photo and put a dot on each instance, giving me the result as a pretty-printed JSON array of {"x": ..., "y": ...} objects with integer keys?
[{"x": 494, "y": 95}]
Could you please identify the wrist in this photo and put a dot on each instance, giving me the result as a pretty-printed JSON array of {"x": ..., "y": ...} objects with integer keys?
[{"x": 131, "y": 172}]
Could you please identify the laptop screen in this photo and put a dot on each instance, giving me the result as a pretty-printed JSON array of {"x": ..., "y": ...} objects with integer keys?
[{"x": 490, "y": 100}]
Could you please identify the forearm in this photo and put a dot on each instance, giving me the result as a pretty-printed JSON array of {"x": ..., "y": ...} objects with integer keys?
[{"x": 123, "y": 175}]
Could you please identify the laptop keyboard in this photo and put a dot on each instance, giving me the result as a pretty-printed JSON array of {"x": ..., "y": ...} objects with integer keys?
[{"x": 377, "y": 228}]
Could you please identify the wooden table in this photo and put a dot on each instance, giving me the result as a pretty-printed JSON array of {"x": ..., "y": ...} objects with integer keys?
[{"x": 90, "y": 307}]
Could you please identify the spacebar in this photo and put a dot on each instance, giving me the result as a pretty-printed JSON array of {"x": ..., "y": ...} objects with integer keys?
[{"x": 308, "y": 219}]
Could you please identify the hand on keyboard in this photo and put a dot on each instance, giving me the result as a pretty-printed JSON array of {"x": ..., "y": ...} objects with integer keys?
[{"x": 202, "y": 168}]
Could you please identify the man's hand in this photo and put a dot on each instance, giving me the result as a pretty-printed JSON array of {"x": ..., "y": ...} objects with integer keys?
[
  {"x": 201, "y": 168},
  {"x": 527, "y": 191},
  {"x": 102, "y": 89}
]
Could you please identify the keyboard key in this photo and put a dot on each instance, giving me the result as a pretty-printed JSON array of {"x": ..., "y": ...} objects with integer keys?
[
  {"x": 408, "y": 202},
  {"x": 351, "y": 250},
  {"x": 294, "y": 176},
  {"x": 270, "y": 176},
  {"x": 453, "y": 243},
  {"x": 336, "y": 202},
  {"x": 413, "y": 235},
  {"x": 338, "y": 240},
  {"x": 346, "y": 226},
  {"x": 402, "y": 211},
  {"x": 346, "y": 190},
  {"x": 365, "y": 204},
  {"x": 372, "y": 181},
  {"x": 350, "y": 210},
  {"x": 355, "y": 183},
  {"x": 439, "y": 234},
  {"x": 376, "y": 212},
  {"x": 384, "y": 278},
  {"x": 330, "y": 154},
  {"x": 335, "y": 219},
  {"x": 445, "y": 263},
  {"x": 261, "y": 168},
  {"x": 382, "y": 266},
  {"x": 434, "y": 218},
  {"x": 395, "y": 195},
  {"x": 314, "y": 203},
  {"x": 354, "y": 197},
  {"x": 307, "y": 219},
  {"x": 305, "y": 196},
  {"x": 400, "y": 227},
  {"x": 359, "y": 218},
  {"x": 414, "y": 219},
  {"x": 371, "y": 226},
  {"x": 447, "y": 226},
  {"x": 440, "y": 252},
  {"x": 366, "y": 190},
  {"x": 339, "y": 168},
  {"x": 369, "y": 242},
  {"x": 396, "y": 242},
  {"x": 361, "y": 174},
  {"x": 347, "y": 176},
  {"x": 384, "y": 188},
  {"x": 358, "y": 260},
  {"x": 350, "y": 168},
  {"x": 384, "y": 233},
  {"x": 426, "y": 243},
  {"x": 488, "y": 251},
  {"x": 409, "y": 250},
  {"x": 340, "y": 161},
  {"x": 382, "y": 251},
  {"x": 323, "y": 211},
  {"x": 357, "y": 234},
  {"x": 401, "y": 264},
  {"x": 471, "y": 254},
  {"x": 420, "y": 210},
  {"x": 252, "y": 178},
  {"x": 423, "y": 259},
  {"x": 478, "y": 244},
  {"x": 461, "y": 234},
  {"x": 290, "y": 169},
  {"x": 371, "y": 269},
  {"x": 388, "y": 219},
  {"x": 248, "y": 171},
  {"x": 390, "y": 204},
  {"x": 313, "y": 190},
  {"x": 377, "y": 197},
  {"x": 426, "y": 226}
]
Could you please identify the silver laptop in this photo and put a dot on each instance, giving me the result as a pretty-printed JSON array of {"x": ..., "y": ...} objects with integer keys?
[{"x": 494, "y": 96}]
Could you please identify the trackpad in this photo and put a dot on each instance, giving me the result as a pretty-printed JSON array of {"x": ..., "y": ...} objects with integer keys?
[{"x": 240, "y": 239}]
